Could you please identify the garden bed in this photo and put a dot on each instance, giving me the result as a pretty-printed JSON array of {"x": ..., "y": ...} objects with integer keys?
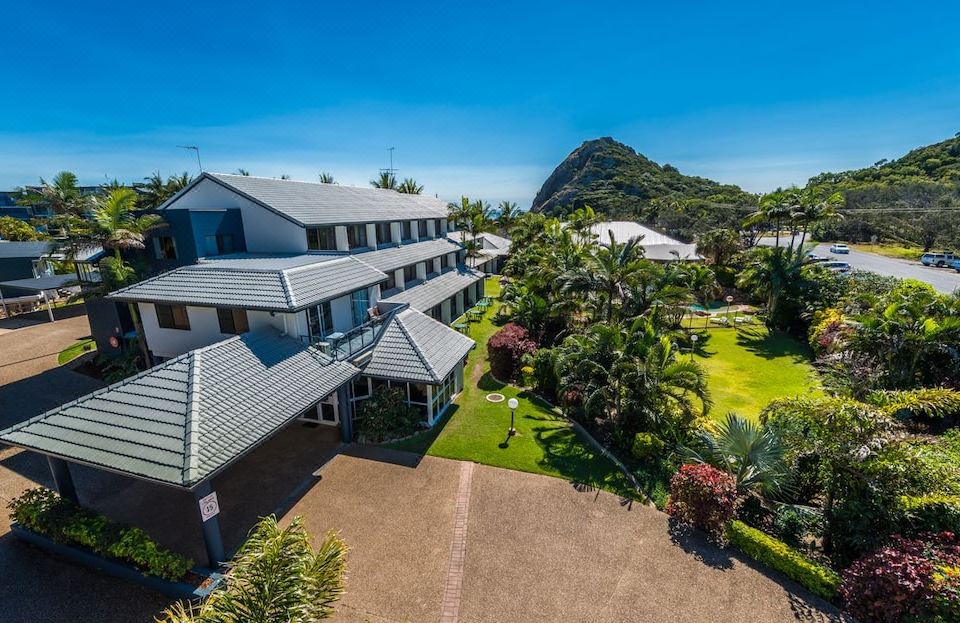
[{"x": 197, "y": 584}]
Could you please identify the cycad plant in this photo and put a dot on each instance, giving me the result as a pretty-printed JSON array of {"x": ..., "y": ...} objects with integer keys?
[{"x": 276, "y": 576}]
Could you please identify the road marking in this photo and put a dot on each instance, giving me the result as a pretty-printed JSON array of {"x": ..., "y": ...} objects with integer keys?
[{"x": 453, "y": 589}]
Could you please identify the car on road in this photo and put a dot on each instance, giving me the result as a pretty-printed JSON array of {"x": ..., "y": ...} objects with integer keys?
[
  {"x": 956, "y": 265},
  {"x": 813, "y": 257},
  {"x": 941, "y": 259},
  {"x": 836, "y": 266},
  {"x": 839, "y": 248}
]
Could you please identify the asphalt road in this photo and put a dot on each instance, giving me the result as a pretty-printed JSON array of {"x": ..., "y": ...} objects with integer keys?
[{"x": 945, "y": 280}]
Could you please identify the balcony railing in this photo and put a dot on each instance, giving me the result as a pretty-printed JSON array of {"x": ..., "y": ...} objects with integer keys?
[{"x": 341, "y": 346}]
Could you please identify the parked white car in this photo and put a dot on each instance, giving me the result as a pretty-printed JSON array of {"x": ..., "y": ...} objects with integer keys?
[
  {"x": 836, "y": 266},
  {"x": 839, "y": 248}
]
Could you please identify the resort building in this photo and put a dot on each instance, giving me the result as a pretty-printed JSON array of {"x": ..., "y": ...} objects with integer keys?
[
  {"x": 656, "y": 246},
  {"x": 283, "y": 300}
]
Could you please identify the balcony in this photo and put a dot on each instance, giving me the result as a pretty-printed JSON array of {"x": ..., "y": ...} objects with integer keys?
[{"x": 342, "y": 346}]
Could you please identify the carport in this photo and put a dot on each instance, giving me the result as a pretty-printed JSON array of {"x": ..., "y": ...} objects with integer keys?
[
  {"x": 39, "y": 286},
  {"x": 183, "y": 422}
]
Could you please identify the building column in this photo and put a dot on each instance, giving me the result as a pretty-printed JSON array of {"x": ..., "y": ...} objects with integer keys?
[
  {"x": 62, "y": 479},
  {"x": 396, "y": 234},
  {"x": 346, "y": 412},
  {"x": 398, "y": 278},
  {"x": 212, "y": 538},
  {"x": 340, "y": 233},
  {"x": 372, "y": 241},
  {"x": 432, "y": 228}
]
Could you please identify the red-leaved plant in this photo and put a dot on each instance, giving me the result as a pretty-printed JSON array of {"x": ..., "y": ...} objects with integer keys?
[
  {"x": 704, "y": 497},
  {"x": 506, "y": 349},
  {"x": 908, "y": 579}
]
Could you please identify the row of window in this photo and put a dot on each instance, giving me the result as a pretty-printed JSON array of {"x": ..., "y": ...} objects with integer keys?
[
  {"x": 165, "y": 247},
  {"x": 232, "y": 321},
  {"x": 325, "y": 238}
]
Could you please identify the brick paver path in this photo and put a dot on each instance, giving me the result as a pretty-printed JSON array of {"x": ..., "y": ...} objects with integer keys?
[{"x": 453, "y": 591}]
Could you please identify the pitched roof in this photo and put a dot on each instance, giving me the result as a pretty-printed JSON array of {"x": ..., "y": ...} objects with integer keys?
[
  {"x": 180, "y": 422},
  {"x": 392, "y": 258},
  {"x": 489, "y": 242},
  {"x": 29, "y": 248},
  {"x": 415, "y": 347},
  {"x": 310, "y": 203},
  {"x": 269, "y": 282},
  {"x": 434, "y": 291}
]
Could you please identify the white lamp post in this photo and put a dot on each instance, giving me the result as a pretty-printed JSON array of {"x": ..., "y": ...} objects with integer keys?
[
  {"x": 693, "y": 346},
  {"x": 513, "y": 403},
  {"x": 729, "y": 300}
]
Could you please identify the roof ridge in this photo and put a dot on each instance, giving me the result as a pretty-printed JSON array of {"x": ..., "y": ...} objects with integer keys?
[
  {"x": 301, "y": 267},
  {"x": 191, "y": 437},
  {"x": 416, "y": 347},
  {"x": 287, "y": 288}
]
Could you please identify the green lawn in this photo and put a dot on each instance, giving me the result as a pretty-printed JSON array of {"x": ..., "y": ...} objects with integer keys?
[
  {"x": 76, "y": 349},
  {"x": 475, "y": 429},
  {"x": 749, "y": 367},
  {"x": 891, "y": 250}
]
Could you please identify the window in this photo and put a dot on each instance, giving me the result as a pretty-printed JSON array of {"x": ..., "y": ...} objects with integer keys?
[
  {"x": 383, "y": 234},
  {"x": 406, "y": 233},
  {"x": 218, "y": 244},
  {"x": 320, "y": 321},
  {"x": 436, "y": 228},
  {"x": 321, "y": 239},
  {"x": 173, "y": 317},
  {"x": 361, "y": 387},
  {"x": 446, "y": 260},
  {"x": 233, "y": 321},
  {"x": 391, "y": 280},
  {"x": 357, "y": 236},
  {"x": 436, "y": 313},
  {"x": 422, "y": 228},
  {"x": 409, "y": 274},
  {"x": 165, "y": 248},
  {"x": 360, "y": 302},
  {"x": 328, "y": 412}
]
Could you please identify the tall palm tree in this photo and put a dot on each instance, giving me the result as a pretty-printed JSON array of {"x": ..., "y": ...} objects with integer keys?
[
  {"x": 752, "y": 454},
  {"x": 773, "y": 208},
  {"x": 386, "y": 180},
  {"x": 326, "y": 178},
  {"x": 507, "y": 214},
  {"x": 770, "y": 272},
  {"x": 459, "y": 214},
  {"x": 607, "y": 273},
  {"x": 275, "y": 576},
  {"x": 62, "y": 195},
  {"x": 409, "y": 186},
  {"x": 816, "y": 208},
  {"x": 157, "y": 190},
  {"x": 718, "y": 245},
  {"x": 702, "y": 283}
]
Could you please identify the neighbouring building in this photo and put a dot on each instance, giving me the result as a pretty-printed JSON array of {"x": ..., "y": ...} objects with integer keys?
[{"x": 656, "y": 246}]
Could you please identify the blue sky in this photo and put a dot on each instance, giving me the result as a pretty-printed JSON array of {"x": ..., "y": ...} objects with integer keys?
[{"x": 482, "y": 99}]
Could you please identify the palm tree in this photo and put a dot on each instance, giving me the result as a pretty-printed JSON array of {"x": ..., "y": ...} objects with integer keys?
[
  {"x": 157, "y": 190},
  {"x": 702, "y": 283},
  {"x": 607, "y": 273},
  {"x": 63, "y": 196},
  {"x": 770, "y": 272},
  {"x": 386, "y": 180},
  {"x": 581, "y": 220},
  {"x": 243, "y": 172},
  {"x": 409, "y": 186},
  {"x": 507, "y": 214},
  {"x": 326, "y": 178},
  {"x": 752, "y": 454},
  {"x": 275, "y": 576},
  {"x": 815, "y": 208},
  {"x": 459, "y": 214},
  {"x": 718, "y": 245},
  {"x": 773, "y": 207}
]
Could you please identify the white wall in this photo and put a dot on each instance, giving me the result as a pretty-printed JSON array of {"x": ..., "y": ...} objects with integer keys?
[
  {"x": 264, "y": 231},
  {"x": 204, "y": 329}
]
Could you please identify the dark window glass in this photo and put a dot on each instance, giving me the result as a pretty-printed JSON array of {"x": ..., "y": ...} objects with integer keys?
[
  {"x": 422, "y": 228},
  {"x": 320, "y": 321},
  {"x": 361, "y": 388},
  {"x": 173, "y": 317},
  {"x": 165, "y": 248},
  {"x": 361, "y": 302},
  {"x": 321, "y": 239},
  {"x": 436, "y": 228},
  {"x": 383, "y": 234},
  {"x": 357, "y": 236},
  {"x": 218, "y": 244},
  {"x": 328, "y": 412},
  {"x": 391, "y": 280},
  {"x": 409, "y": 273},
  {"x": 406, "y": 233},
  {"x": 233, "y": 321}
]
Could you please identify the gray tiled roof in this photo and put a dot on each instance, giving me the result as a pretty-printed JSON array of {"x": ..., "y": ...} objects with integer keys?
[
  {"x": 180, "y": 422},
  {"x": 491, "y": 243},
  {"x": 47, "y": 282},
  {"x": 436, "y": 290},
  {"x": 415, "y": 347},
  {"x": 30, "y": 248},
  {"x": 274, "y": 282},
  {"x": 311, "y": 203},
  {"x": 392, "y": 258}
]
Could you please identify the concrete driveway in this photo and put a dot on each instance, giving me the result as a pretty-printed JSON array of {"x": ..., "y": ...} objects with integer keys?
[{"x": 526, "y": 548}]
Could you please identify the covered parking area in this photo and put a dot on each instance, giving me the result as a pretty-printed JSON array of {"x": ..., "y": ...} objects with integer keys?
[
  {"x": 152, "y": 448},
  {"x": 43, "y": 288}
]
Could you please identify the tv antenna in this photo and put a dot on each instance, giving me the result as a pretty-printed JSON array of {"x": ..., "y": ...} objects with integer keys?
[
  {"x": 391, "y": 170},
  {"x": 196, "y": 149}
]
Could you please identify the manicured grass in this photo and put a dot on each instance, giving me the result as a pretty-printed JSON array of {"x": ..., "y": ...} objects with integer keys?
[
  {"x": 890, "y": 250},
  {"x": 749, "y": 367},
  {"x": 76, "y": 349},
  {"x": 474, "y": 429}
]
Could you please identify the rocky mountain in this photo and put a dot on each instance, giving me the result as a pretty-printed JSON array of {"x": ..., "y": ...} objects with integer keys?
[{"x": 614, "y": 179}]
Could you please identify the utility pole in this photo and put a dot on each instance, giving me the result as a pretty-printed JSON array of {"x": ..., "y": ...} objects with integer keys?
[
  {"x": 391, "y": 170},
  {"x": 196, "y": 149}
]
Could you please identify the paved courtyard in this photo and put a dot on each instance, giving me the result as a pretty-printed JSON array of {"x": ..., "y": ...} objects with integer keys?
[{"x": 536, "y": 549}]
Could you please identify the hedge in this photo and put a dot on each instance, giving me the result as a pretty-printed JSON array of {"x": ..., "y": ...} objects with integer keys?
[
  {"x": 929, "y": 513},
  {"x": 765, "y": 549},
  {"x": 46, "y": 513}
]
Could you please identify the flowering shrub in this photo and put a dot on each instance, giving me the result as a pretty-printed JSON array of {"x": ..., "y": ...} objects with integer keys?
[
  {"x": 704, "y": 497},
  {"x": 828, "y": 331},
  {"x": 909, "y": 578},
  {"x": 506, "y": 349}
]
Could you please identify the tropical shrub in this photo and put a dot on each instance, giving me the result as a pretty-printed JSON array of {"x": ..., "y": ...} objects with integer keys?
[
  {"x": 791, "y": 524},
  {"x": 646, "y": 447},
  {"x": 929, "y": 513},
  {"x": 545, "y": 376},
  {"x": 703, "y": 497},
  {"x": 385, "y": 415},
  {"x": 763, "y": 548},
  {"x": 828, "y": 331},
  {"x": 46, "y": 513},
  {"x": 908, "y": 578},
  {"x": 275, "y": 576},
  {"x": 506, "y": 349}
]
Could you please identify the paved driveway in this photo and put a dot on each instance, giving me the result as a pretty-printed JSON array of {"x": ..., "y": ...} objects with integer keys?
[{"x": 533, "y": 549}]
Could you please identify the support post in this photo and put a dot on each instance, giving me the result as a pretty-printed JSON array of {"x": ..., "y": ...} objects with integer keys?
[
  {"x": 346, "y": 412},
  {"x": 3, "y": 302},
  {"x": 49, "y": 308},
  {"x": 62, "y": 479},
  {"x": 212, "y": 538}
]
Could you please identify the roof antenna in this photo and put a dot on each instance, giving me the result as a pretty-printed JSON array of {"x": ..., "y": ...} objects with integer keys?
[
  {"x": 196, "y": 149},
  {"x": 391, "y": 170}
]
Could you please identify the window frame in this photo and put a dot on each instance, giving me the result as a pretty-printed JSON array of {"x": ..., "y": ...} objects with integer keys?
[
  {"x": 315, "y": 240},
  {"x": 167, "y": 318},
  {"x": 161, "y": 250},
  {"x": 239, "y": 322},
  {"x": 356, "y": 234}
]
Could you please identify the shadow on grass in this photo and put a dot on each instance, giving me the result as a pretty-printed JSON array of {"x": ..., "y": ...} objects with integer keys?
[
  {"x": 489, "y": 384},
  {"x": 573, "y": 459},
  {"x": 421, "y": 442},
  {"x": 771, "y": 344}
]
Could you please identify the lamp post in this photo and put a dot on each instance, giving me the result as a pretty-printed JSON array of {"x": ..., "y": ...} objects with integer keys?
[
  {"x": 513, "y": 403},
  {"x": 729, "y": 300},
  {"x": 693, "y": 345}
]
